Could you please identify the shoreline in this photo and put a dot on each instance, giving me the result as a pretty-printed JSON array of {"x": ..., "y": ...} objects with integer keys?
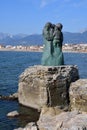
[
  {"x": 20, "y": 50},
  {"x": 24, "y": 50}
]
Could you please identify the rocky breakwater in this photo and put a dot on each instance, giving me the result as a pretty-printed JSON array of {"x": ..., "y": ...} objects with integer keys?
[{"x": 46, "y": 85}]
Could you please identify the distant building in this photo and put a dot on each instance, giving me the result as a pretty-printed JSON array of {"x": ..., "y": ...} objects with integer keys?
[{"x": 2, "y": 46}]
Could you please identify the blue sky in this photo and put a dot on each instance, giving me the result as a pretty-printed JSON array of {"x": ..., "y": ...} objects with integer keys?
[{"x": 29, "y": 16}]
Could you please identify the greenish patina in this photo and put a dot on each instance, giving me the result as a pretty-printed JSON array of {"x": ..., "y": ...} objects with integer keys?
[{"x": 53, "y": 38}]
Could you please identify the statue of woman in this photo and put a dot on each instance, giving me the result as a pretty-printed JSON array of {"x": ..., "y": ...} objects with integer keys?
[
  {"x": 53, "y": 38},
  {"x": 57, "y": 43},
  {"x": 48, "y": 44}
]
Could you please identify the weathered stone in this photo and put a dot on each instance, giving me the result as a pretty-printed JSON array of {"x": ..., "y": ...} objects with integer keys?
[
  {"x": 78, "y": 95},
  {"x": 46, "y": 85},
  {"x": 29, "y": 126},
  {"x": 51, "y": 111},
  {"x": 19, "y": 129},
  {"x": 64, "y": 121},
  {"x": 13, "y": 114}
]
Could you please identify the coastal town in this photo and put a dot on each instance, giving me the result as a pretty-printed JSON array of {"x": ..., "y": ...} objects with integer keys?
[{"x": 66, "y": 48}]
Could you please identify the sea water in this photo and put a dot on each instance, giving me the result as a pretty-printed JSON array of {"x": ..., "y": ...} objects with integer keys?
[{"x": 12, "y": 64}]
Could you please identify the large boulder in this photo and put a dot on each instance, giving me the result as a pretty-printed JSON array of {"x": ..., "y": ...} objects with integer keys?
[
  {"x": 78, "y": 95},
  {"x": 46, "y": 85},
  {"x": 64, "y": 121}
]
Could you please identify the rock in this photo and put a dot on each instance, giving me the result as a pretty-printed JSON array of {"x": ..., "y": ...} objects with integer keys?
[
  {"x": 46, "y": 85},
  {"x": 29, "y": 126},
  {"x": 13, "y": 114},
  {"x": 10, "y": 97},
  {"x": 19, "y": 129},
  {"x": 50, "y": 111},
  {"x": 78, "y": 95},
  {"x": 14, "y": 96},
  {"x": 64, "y": 121}
]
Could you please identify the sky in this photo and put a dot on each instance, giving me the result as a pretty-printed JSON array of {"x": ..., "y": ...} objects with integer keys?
[{"x": 30, "y": 16}]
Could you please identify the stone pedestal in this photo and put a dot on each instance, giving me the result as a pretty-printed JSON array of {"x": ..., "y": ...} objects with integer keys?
[
  {"x": 78, "y": 95},
  {"x": 46, "y": 85}
]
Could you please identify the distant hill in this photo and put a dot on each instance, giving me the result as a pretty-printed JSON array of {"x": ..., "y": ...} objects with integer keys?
[
  {"x": 37, "y": 39},
  {"x": 75, "y": 37}
]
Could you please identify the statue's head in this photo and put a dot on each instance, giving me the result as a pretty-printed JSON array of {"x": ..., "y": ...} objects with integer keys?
[
  {"x": 59, "y": 25},
  {"x": 53, "y": 26},
  {"x": 48, "y": 24}
]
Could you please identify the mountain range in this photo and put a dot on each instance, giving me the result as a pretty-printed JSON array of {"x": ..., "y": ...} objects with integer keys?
[{"x": 37, "y": 39}]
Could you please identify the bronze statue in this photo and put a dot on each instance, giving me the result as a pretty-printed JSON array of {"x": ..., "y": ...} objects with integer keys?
[{"x": 53, "y": 38}]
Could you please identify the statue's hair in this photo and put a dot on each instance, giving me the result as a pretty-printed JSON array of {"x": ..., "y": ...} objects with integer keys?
[
  {"x": 59, "y": 25},
  {"x": 48, "y": 24}
]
